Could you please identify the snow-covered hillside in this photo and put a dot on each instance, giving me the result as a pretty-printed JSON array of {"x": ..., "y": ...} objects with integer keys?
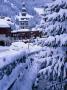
[{"x": 13, "y": 6}]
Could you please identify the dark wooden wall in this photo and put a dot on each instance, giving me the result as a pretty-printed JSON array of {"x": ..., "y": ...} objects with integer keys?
[
  {"x": 26, "y": 34},
  {"x": 5, "y": 30}
]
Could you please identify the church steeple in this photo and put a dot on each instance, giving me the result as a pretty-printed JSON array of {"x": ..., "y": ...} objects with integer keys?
[
  {"x": 23, "y": 23},
  {"x": 23, "y": 9},
  {"x": 23, "y": 18}
]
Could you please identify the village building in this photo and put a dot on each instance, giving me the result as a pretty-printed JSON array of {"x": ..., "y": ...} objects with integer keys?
[
  {"x": 24, "y": 32},
  {"x": 23, "y": 18},
  {"x": 5, "y": 32}
]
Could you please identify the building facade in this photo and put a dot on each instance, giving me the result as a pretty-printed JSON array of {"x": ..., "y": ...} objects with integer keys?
[
  {"x": 23, "y": 18},
  {"x": 5, "y": 32}
]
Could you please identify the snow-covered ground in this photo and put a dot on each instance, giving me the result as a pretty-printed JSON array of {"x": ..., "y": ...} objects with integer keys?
[
  {"x": 26, "y": 81},
  {"x": 15, "y": 51},
  {"x": 3, "y": 48},
  {"x": 11, "y": 63}
]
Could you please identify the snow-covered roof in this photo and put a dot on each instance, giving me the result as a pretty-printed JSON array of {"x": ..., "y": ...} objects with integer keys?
[
  {"x": 40, "y": 11},
  {"x": 4, "y": 23},
  {"x": 20, "y": 30},
  {"x": 7, "y": 18},
  {"x": 9, "y": 21},
  {"x": 34, "y": 29}
]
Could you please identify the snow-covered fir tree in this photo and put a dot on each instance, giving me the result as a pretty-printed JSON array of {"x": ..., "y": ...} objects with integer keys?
[{"x": 53, "y": 71}]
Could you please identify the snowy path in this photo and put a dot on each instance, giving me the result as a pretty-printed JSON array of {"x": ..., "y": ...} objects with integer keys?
[{"x": 25, "y": 83}]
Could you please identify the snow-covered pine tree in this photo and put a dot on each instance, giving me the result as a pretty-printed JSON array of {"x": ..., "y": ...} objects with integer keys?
[
  {"x": 53, "y": 72},
  {"x": 56, "y": 20}
]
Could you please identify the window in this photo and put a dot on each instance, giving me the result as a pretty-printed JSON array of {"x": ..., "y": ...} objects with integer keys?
[
  {"x": 22, "y": 18},
  {"x": 23, "y": 14},
  {"x": 23, "y": 10},
  {"x": 22, "y": 23}
]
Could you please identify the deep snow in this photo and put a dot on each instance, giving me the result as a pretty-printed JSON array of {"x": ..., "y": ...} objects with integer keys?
[{"x": 26, "y": 81}]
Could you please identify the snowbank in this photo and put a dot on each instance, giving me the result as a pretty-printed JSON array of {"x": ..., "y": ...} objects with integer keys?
[
  {"x": 13, "y": 61},
  {"x": 17, "y": 50}
]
